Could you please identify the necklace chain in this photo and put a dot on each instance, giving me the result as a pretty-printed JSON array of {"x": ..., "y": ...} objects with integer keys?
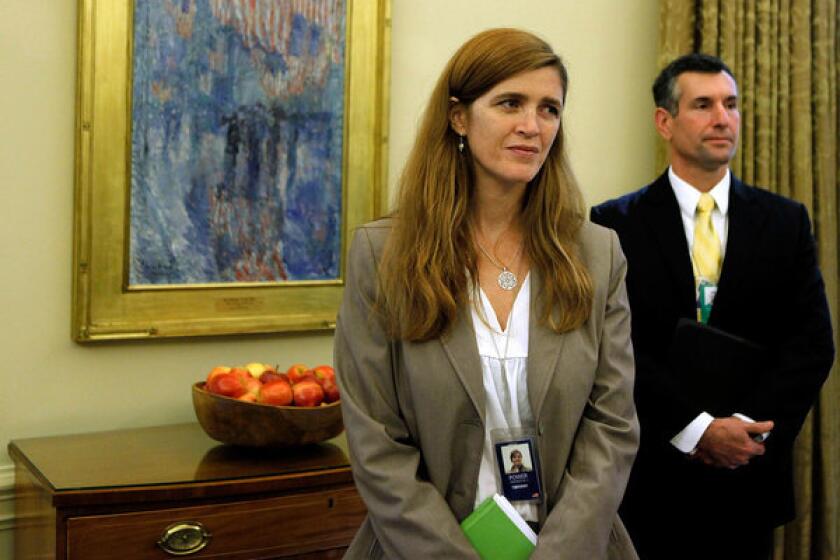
[{"x": 507, "y": 279}]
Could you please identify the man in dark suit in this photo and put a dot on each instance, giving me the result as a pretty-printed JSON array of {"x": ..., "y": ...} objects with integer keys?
[{"x": 743, "y": 260}]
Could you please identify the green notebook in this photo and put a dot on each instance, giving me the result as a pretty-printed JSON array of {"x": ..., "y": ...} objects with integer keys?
[{"x": 498, "y": 532}]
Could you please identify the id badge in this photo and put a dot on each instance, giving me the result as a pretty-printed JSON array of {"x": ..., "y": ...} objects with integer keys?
[
  {"x": 706, "y": 292},
  {"x": 517, "y": 464}
]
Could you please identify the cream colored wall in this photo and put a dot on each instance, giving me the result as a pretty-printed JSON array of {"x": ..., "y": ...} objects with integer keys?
[{"x": 50, "y": 385}]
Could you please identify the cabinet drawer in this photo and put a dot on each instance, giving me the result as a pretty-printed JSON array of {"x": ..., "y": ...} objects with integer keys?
[{"x": 259, "y": 528}]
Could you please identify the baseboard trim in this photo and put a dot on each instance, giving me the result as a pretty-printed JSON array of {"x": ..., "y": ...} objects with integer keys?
[{"x": 7, "y": 497}]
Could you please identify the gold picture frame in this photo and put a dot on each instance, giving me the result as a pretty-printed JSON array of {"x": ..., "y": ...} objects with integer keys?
[{"x": 105, "y": 307}]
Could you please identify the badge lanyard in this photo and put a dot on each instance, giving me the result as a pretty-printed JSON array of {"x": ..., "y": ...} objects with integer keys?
[
  {"x": 705, "y": 292},
  {"x": 517, "y": 460}
]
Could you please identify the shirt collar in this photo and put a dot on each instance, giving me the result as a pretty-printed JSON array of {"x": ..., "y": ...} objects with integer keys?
[{"x": 688, "y": 196}]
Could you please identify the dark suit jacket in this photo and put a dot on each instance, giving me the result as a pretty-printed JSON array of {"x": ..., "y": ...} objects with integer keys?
[
  {"x": 414, "y": 414},
  {"x": 770, "y": 292}
]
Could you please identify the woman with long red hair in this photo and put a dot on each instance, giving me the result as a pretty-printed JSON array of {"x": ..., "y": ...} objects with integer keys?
[{"x": 485, "y": 314}]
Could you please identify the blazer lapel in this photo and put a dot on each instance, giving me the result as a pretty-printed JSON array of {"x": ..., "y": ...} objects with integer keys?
[
  {"x": 662, "y": 218},
  {"x": 461, "y": 348},
  {"x": 746, "y": 220},
  {"x": 544, "y": 350}
]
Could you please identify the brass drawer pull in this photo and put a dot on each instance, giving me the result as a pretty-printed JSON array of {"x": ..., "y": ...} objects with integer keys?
[{"x": 183, "y": 538}]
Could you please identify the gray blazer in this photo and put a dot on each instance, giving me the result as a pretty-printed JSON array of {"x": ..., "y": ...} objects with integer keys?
[{"x": 414, "y": 414}]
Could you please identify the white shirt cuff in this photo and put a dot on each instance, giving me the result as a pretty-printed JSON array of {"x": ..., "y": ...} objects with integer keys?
[{"x": 686, "y": 441}]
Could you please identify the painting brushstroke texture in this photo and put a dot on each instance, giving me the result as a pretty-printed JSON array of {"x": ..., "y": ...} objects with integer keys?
[{"x": 236, "y": 141}]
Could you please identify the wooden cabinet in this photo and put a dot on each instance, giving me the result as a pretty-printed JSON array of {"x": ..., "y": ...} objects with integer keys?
[{"x": 129, "y": 494}]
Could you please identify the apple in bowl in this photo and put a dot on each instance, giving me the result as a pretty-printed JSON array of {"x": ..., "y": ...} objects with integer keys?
[
  {"x": 308, "y": 393},
  {"x": 263, "y": 383},
  {"x": 256, "y": 405},
  {"x": 277, "y": 392}
]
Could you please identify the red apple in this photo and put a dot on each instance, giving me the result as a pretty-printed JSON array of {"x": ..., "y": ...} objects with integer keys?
[
  {"x": 331, "y": 393},
  {"x": 249, "y": 384},
  {"x": 271, "y": 376},
  {"x": 296, "y": 368},
  {"x": 324, "y": 373},
  {"x": 298, "y": 372},
  {"x": 241, "y": 373},
  {"x": 218, "y": 370},
  {"x": 308, "y": 393},
  {"x": 308, "y": 375},
  {"x": 276, "y": 392},
  {"x": 226, "y": 384}
]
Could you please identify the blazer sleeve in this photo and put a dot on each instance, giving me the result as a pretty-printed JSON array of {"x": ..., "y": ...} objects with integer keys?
[
  {"x": 606, "y": 442},
  {"x": 804, "y": 355},
  {"x": 408, "y": 515}
]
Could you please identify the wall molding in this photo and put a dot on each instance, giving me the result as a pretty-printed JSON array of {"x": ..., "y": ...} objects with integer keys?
[{"x": 7, "y": 497}]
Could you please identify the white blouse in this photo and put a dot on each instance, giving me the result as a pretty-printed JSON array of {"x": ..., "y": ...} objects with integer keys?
[{"x": 506, "y": 390}]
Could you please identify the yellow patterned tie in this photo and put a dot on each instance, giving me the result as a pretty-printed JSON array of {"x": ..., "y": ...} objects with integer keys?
[{"x": 706, "y": 250}]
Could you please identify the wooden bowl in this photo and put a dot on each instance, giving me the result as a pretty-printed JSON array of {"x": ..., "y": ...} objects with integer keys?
[{"x": 260, "y": 425}]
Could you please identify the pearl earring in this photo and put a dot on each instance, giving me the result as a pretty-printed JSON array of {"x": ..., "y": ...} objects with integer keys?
[{"x": 460, "y": 143}]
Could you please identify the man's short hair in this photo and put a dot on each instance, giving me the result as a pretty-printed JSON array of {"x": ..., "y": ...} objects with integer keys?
[{"x": 665, "y": 92}]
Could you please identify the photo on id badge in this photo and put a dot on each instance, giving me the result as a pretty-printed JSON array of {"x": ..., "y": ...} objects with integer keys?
[{"x": 518, "y": 469}]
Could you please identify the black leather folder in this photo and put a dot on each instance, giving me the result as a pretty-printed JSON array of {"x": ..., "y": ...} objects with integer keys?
[{"x": 715, "y": 370}]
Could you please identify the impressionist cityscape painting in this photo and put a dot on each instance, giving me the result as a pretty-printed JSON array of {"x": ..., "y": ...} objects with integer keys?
[{"x": 236, "y": 141}]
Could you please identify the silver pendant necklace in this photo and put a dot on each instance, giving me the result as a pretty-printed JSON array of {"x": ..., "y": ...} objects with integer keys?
[{"x": 507, "y": 280}]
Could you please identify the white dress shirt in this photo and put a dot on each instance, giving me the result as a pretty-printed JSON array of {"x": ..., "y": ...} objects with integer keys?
[
  {"x": 506, "y": 389},
  {"x": 687, "y": 199}
]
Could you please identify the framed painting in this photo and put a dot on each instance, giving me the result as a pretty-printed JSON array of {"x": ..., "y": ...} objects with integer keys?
[{"x": 225, "y": 151}]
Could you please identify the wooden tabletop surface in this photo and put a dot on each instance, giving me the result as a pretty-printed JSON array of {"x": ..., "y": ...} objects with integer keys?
[{"x": 165, "y": 455}]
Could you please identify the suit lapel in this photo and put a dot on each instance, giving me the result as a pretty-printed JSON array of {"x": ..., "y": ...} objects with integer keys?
[
  {"x": 665, "y": 226},
  {"x": 544, "y": 350},
  {"x": 461, "y": 348},
  {"x": 746, "y": 221}
]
